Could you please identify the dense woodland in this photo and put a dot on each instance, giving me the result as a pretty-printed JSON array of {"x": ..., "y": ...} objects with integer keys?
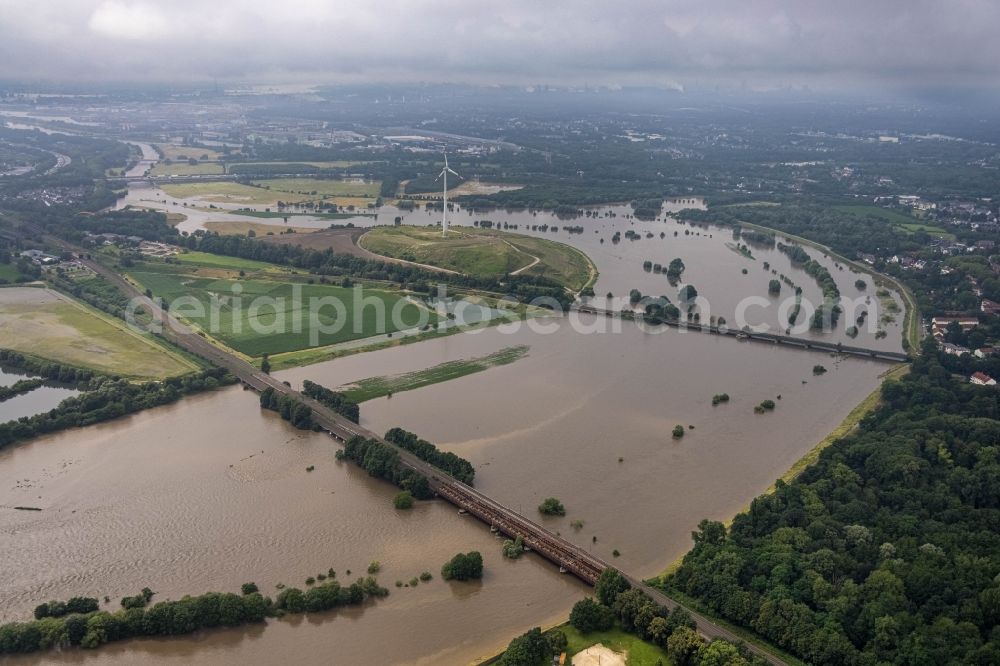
[{"x": 887, "y": 550}]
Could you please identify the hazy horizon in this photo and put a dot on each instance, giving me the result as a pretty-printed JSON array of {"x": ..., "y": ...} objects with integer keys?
[{"x": 677, "y": 44}]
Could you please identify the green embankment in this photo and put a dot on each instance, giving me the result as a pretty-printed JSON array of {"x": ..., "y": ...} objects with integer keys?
[
  {"x": 376, "y": 387},
  {"x": 483, "y": 252}
]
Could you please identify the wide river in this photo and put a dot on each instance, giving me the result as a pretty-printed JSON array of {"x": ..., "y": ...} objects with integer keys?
[{"x": 211, "y": 492}]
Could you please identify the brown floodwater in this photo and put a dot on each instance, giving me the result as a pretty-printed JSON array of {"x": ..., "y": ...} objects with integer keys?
[
  {"x": 210, "y": 492},
  {"x": 39, "y": 400},
  {"x": 713, "y": 265}
]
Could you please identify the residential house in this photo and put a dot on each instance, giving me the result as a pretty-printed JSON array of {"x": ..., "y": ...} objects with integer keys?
[{"x": 982, "y": 379}]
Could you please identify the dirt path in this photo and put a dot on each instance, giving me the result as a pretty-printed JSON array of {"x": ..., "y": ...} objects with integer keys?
[{"x": 523, "y": 268}]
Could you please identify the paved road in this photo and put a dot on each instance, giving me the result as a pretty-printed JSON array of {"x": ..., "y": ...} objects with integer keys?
[{"x": 552, "y": 547}]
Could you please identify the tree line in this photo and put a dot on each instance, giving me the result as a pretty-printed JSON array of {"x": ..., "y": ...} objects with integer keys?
[
  {"x": 881, "y": 552},
  {"x": 382, "y": 461},
  {"x": 289, "y": 407},
  {"x": 78, "y": 622},
  {"x": 107, "y": 398},
  {"x": 446, "y": 461},
  {"x": 335, "y": 400},
  {"x": 66, "y": 374},
  {"x": 616, "y": 602},
  {"x": 19, "y": 387}
]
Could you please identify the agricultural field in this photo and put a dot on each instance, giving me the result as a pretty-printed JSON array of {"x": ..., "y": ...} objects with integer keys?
[
  {"x": 469, "y": 187},
  {"x": 266, "y": 316},
  {"x": 336, "y": 164},
  {"x": 231, "y": 263},
  {"x": 233, "y": 227},
  {"x": 185, "y": 169},
  {"x": 272, "y": 215},
  {"x": 229, "y": 192},
  {"x": 318, "y": 187},
  {"x": 172, "y": 151},
  {"x": 49, "y": 325},
  {"x": 482, "y": 252}
]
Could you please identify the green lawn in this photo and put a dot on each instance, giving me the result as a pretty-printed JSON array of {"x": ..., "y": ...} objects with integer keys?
[
  {"x": 482, "y": 252},
  {"x": 376, "y": 387},
  {"x": 282, "y": 321},
  {"x": 914, "y": 227},
  {"x": 9, "y": 272},
  {"x": 640, "y": 653}
]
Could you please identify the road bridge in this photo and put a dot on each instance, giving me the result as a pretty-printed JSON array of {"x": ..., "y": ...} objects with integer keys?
[{"x": 747, "y": 335}]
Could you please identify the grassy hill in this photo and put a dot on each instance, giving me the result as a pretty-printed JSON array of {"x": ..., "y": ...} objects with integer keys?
[{"x": 483, "y": 252}]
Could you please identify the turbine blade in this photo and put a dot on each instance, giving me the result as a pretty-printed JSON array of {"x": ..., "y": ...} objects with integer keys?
[{"x": 454, "y": 173}]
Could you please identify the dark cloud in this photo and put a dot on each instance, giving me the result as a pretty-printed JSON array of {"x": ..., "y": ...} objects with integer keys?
[{"x": 870, "y": 42}]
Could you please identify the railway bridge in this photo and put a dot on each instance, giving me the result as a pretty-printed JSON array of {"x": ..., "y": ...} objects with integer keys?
[
  {"x": 748, "y": 335},
  {"x": 569, "y": 557}
]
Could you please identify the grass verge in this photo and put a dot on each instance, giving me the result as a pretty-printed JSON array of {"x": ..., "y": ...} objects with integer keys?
[{"x": 376, "y": 387}]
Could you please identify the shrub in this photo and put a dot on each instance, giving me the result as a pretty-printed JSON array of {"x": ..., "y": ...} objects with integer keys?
[
  {"x": 719, "y": 397},
  {"x": 678, "y": 431},
  {"x": 513, "y": 549},
  {"x": 551, "y": 506},
  {"x": 464, "y": 566},
  {"x": 403, "y": 500},
  {"x": 249, "y": 588}
]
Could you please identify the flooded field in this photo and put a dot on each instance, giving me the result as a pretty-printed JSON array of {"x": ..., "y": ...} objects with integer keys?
[
  {"x": 713, "y": 264},
  {"x": 556, "y": 423},
  {"x": 211, "y": 492}
]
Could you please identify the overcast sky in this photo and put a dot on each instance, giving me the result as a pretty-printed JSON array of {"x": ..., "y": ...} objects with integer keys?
[{"x": 814, "y": 42}]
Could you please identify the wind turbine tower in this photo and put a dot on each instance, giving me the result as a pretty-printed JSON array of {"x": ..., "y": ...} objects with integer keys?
[{"x": 444, "y": 200}]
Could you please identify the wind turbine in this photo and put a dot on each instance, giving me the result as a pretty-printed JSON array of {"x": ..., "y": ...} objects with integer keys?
[{"x": 444, "y": 208}]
